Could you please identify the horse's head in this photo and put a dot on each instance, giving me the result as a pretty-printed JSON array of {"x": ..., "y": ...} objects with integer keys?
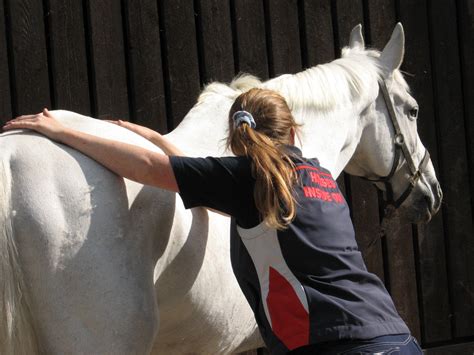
[{"x": 390, "y": 152}]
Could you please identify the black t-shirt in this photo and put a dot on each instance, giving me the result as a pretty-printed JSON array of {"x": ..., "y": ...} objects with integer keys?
[{"x": 306, "y": 284}]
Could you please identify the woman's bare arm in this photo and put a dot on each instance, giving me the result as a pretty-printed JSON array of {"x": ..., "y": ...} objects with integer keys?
[
  {"x": 154, "y": 137},
  {"x": 132, "y": 162}
]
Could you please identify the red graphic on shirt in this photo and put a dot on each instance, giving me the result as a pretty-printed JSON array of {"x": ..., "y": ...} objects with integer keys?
[
  {"x": 289, "y": 318},
  {"x": 308, "y": 167},
  {"x": 314, "y": 192},
  {"x": 323, "y": 182}
]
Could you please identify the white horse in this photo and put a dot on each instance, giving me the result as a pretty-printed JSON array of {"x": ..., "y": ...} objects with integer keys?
[{"x": 87, "y": 258}]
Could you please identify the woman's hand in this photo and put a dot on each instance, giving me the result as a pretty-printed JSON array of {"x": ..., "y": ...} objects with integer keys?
[
  {"x": 145, "y": 132},
  {"x": 43, "y": 122}
]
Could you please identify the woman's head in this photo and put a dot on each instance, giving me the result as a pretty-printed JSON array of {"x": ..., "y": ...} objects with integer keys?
[
  {"x": 265, "y": 144},
  {"x": 272, "y": 116}
]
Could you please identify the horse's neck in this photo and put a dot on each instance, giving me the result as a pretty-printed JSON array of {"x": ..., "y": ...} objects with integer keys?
[
  {"x": 332, "y": 137},
  {"x": 204, "y": 129}
]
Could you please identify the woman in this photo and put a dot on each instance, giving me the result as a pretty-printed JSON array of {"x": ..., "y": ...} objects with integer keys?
[{"x": 292, "y": 247}]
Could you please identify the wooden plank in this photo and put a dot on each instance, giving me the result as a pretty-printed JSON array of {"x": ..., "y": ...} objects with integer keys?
[
  {"x": 283, "y": 34},
  {"x": 181, "y": 56},
  {"x": 430, "y": 252},
  {"x": 454, "y": 349},
  {"x": 466, "y": 32},
  {"x": 364, "y": 198},
  {"x": 400, "y": 261},
  {"x": 453, "y": 162},
  {"x": 250, "y": 39},
  {"x": 30, "y": 89},
  {"x": 318, "y": 29},
  {"x": 349, "y": 14},
  {"x": 341, "y": 30},
  {"x": 382, "y": 20},
  {"x": 70, "y": 83},
  {"x": 400, "y": 257},
  {"x": 318, "y": 47},
  {"x": 216, "y": 31},
  {"x": 109, "y": 78},
  {"x": 365, "y": 216},
  {"x": 147, "y": 92},
  {"x": 5, "y": 98}
]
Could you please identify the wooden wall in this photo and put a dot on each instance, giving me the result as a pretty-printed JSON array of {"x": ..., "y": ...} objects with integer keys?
[{"x": 147, "y": 60}]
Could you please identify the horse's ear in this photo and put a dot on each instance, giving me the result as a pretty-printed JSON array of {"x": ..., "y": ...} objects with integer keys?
[
  {"x": 356, "y": 40},
  {"x": 391, "y": 57}
]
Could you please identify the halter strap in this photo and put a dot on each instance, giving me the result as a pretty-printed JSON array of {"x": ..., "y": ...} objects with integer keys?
[
  {"x": 399, "y": 138},
  {"x": 400, "y": 148}
]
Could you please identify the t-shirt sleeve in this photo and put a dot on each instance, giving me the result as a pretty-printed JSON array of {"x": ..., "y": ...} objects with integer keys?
[{"x": 223, "y": 184}]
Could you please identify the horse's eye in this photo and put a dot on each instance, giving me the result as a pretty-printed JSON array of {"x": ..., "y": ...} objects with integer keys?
[{"x": 414, "y": 112}]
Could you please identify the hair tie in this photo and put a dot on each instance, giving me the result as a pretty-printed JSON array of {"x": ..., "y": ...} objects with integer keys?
[{"x": 240, "y": 117}]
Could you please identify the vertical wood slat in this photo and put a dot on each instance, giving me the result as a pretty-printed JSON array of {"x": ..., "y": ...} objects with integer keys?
[
  {"x": 30, "y": 63},
  {"x": 457, "y": 212},
  {"x": 318, "y": 46},
  {"x": 364, "y": 200},
  {"x": 318, "y": 32},
  {"x": 319, "y": 42},
  {"x": 217, "y": 52},
  {"x": 250, "y": 40},
  {"x": 177, "y": 17},
  {"x": 68, "y": 56},
  {"x": 465, "y": 12},
  {"x": 400, "y": 258},
  {"x": 143, "y": 47},
  {"x": 5, "y": 98},
  {"x": 108, "y": 59},
  {"x": 431, "y": 256},
  {"x": 284, "y": 37},
  {"x": 348, "y": 15},
  {"x": 365, "y": 216}
]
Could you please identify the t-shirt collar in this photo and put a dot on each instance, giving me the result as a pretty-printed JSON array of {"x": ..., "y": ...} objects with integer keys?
[{"x": 293, "y": 150}]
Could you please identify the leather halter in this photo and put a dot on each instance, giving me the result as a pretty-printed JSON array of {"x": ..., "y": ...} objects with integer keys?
[{"x": 400, "y": 148}]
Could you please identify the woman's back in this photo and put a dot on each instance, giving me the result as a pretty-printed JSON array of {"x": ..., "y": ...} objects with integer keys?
[{"x": 307, "y": 283}]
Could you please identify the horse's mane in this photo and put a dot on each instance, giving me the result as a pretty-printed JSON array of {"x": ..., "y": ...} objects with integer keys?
[{"x": 340, "y": 83}]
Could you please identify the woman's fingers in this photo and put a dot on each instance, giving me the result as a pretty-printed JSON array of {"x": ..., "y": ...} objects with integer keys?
[
  {"x": 25, "y": 123},
  {"x": 117, "y": 122},
  {"x": 26, "y": 117},
  {"x": 18, "y": 120}
]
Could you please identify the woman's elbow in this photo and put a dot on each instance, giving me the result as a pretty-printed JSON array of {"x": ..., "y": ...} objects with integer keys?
[{"x": 159, "y": 173}]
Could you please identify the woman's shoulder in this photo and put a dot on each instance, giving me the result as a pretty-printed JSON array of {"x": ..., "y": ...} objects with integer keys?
[
  {"x": 233, "y": 165},
  {"x": 238, "y": 165}
]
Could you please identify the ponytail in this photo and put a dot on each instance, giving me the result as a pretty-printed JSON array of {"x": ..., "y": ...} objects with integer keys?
[{"x": 264, "y": 144}]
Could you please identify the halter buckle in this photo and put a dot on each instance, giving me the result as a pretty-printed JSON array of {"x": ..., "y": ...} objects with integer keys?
[
  {"x": 399, "y": 139},
  {"x": 415, "y": 177}
]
